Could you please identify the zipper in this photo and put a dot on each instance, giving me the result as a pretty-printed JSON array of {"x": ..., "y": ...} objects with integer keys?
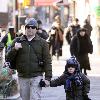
[{"x": 28, "y": 58}]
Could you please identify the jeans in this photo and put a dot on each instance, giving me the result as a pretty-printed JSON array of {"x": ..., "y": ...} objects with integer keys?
[{"x": 29, "y": 88}]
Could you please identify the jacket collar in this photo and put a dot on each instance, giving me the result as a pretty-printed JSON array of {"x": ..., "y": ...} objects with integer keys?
[{"x": 23, "y": 37}]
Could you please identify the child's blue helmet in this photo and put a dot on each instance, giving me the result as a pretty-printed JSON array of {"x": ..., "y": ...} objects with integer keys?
[{"x": 72, "y": 61}]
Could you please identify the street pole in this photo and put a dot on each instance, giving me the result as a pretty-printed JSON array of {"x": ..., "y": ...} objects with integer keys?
[
  {"x": 18, "y": 18},
  {"x": 19, "y": 11},
  {"x": 74, "y": 9},
  {"x": 14, "y": 13}
]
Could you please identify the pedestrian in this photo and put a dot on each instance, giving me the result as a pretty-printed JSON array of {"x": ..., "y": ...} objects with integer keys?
[
  {"x": 71, "y": 30},
  {"x": 75, "y": 26},
  {"x": 32, "y": 58},
  {"x": 41, "y": 32},
  {"x": 76, "y": 84},
  {"x": 88, "y": 26},
  {"x": 56, "y": 39},
  {"x": 8, "y": 38},
  {"x": 68, "y": 36},
  {"x": 80, "y": 47}
]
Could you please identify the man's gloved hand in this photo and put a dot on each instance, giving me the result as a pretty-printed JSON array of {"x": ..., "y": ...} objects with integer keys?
[
  {"x": 18, "y": 46},
  {"x": 47, "y": 83},
  {"x": 42, "y": 83}
]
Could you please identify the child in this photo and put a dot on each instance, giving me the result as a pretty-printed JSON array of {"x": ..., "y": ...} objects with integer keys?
[{"x": 76, "y": 84}]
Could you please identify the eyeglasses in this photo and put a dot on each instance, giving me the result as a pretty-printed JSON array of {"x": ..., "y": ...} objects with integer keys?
[{"x": 28, "y": 27}]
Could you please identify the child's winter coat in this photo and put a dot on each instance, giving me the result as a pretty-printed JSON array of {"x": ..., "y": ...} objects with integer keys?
[{"x": 76, "y": 86}]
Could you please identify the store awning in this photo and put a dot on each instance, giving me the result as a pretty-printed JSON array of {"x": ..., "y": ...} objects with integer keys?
[{"x": 44, "y": 2}]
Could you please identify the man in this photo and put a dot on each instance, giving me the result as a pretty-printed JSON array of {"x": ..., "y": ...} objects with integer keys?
[
  {"x": 41, "y": 32},
  {"x": 26, "y": 53}
]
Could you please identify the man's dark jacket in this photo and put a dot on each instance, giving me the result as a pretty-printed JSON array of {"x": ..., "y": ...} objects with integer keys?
[{"x": 26, "y": 58}]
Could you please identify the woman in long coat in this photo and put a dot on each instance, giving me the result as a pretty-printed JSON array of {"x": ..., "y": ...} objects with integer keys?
[{"x": 80, "y": 46}]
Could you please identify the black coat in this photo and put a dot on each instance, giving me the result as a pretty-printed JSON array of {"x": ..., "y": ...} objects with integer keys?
[
  {"x": 80, "y": 47},
  {"x": 27, "y": 58}
]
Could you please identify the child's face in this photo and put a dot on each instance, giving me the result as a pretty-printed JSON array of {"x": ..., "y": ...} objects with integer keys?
[{"x": 71, "y": 70}]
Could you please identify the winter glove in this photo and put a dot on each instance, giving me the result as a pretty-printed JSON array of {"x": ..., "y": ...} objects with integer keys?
[
  {"x": 47, "y": 83},
  {"x": 42, "y": 83}
]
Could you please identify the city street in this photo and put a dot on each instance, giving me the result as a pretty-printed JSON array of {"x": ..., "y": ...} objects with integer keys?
[
  {"x": 56, "y": 21},
  {"x": 57, "y": 93}
]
